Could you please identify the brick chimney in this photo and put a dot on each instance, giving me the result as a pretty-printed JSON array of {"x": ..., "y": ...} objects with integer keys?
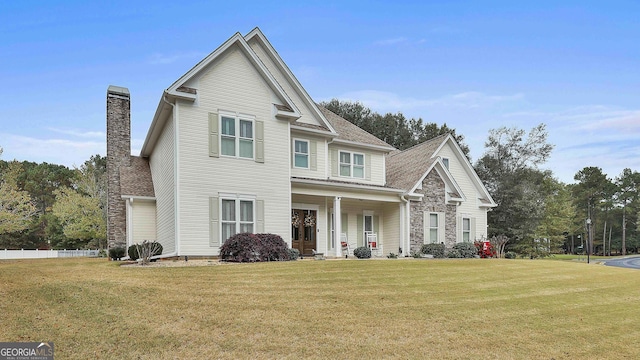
[{"x": 118, "y": 155}]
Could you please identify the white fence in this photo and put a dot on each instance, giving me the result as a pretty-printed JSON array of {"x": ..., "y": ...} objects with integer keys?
[{"x": 45, "y": 254}]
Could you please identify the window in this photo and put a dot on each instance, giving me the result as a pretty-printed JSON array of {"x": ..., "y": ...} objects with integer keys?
[
  {"x": 237, "y": 217},
  {"x": 236, "y": 136},
  {"x": 466, "y": 230},
  {"x": 445, "y": 161},
  {"x": 433, "y": 228},
  {"x": 351, "y": 164},
  {"x": 301, "y": 154}
]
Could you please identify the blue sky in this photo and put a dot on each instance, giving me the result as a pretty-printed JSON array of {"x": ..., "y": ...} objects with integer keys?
[{"x": 474, "y": 65}]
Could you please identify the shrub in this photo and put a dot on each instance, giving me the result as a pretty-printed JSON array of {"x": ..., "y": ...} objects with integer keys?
[
  {"x": 133, "y": 252},
  {"x": 467, "y": 250},
  {"x": 116, "y": 253},
  {"x": 454, "y": 254},
  {"x": 294, "y": 254},
  {"x": 247, "y": 247},
  {"x": 437, "y": 250},
  {"x": 485, "y": 249},
  {"x": 509, "y": 255},
  {"x": 362, "y": 252},
  {"x": 392, "y": 256}
]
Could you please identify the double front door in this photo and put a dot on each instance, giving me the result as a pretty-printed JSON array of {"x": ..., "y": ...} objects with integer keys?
[{"x": 303, "y": 231}]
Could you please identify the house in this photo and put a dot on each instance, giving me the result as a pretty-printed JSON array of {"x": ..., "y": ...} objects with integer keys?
[{"x": 237, "y": 145}]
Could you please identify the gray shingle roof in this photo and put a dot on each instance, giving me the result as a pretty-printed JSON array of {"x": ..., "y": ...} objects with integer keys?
[
  {"x": 350, "y": 132},
  {"x": 405, "y": 168},
  {"x": 135, "y": 180}
]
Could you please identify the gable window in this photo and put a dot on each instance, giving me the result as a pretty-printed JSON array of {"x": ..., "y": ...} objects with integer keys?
[
  {"x": 466, "y": 229},
  {"x": 445, "y": 161},
  {"x": 237, "y": 216},
  {"x": 236, "y": 136},
  {"x": 301, "y": 154},
  {"x": 351, "y": 164}
]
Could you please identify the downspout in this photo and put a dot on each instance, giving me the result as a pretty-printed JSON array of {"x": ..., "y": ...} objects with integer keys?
[{"x": 175, "y": 177}]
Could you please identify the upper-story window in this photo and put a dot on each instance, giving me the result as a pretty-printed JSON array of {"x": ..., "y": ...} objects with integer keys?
[
  {"x": 236, "y": 136},
  {"x": 351, "y": 164},
  {"x": 301, "y": 154},
  {"x": 445, "y": 161}
]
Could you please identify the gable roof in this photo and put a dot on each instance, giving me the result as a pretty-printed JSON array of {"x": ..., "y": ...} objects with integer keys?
[
  {"x": 257, "y": 35},
  {"x": 178, "y": 89},
  {"x": 406, "y": 168},
  {"x": 351, "y": 134}
]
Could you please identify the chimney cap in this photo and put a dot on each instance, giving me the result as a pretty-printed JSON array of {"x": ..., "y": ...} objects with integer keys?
[{"x": 118, "y": 90}]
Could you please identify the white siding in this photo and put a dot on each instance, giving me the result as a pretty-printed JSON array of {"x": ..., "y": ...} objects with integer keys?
[
  {"x": 144, "y": 221},
  {"x": 321, "y": 155},
  {"x": 469, "y": 208},
  {"x": 308, "y": 116},
  {"x": 231, "y": 83},
  {"x": 376, "y": 166},
  {"x": 162, "y": 167}
]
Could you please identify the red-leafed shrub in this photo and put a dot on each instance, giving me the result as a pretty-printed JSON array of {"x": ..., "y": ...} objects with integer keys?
[
  {"x": 485, "y": 249},
  {"x": 247, "y": 247}
]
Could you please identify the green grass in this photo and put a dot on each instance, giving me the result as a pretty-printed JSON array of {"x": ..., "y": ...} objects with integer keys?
[
  {"x": 579, "y": 257},
  {"x": 356, "y": 309}
]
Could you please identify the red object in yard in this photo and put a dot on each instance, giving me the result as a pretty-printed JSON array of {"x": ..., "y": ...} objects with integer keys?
[{"x": 485, "y": 249}]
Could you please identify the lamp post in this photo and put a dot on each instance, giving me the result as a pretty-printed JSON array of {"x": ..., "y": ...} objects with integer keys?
[{"x": 589, "y": 240}]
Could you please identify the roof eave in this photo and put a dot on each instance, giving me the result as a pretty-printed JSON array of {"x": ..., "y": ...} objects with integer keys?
[{"x": 364, "y": 145}]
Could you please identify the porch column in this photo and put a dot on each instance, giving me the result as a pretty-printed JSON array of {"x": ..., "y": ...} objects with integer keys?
[{"x": 337, "y": 222}]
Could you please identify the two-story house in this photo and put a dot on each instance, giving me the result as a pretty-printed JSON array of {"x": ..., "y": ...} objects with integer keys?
[{"x": 237, "y": 145}]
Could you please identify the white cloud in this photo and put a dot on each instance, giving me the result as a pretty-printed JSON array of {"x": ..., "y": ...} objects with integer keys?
[
  {"x": 55, "y": 151},
  {"x": 81, "y": 134},
  {"x": 393, "y": 41}
]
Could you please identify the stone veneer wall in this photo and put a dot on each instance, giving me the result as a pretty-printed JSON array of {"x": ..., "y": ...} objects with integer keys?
[
  {"x": 434, "y": 200},
  {"x": 118, "y": 155}
]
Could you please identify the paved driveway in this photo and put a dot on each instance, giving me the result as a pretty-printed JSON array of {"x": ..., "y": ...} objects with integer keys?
[{"x": 628, "y": 262}]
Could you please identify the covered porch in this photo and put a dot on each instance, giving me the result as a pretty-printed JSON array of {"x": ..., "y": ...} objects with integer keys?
[{"x": 336, "y": 218}]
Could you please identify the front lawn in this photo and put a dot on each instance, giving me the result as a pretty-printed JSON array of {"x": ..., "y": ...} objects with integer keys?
[{"x": 356, "y": 309}]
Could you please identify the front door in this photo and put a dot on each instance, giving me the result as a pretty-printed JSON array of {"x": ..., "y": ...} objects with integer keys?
[{"x": 303, "y": 231}]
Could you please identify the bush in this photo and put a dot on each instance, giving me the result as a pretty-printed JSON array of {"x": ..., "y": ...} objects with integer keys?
[
  {"x": 247, "y": 247},
  {"x": 454, "y": 254},
  {"x": 437, "y": 250},
  {"x": 392, "y": 256},
  {"x": 467, "y": 250},
  {"x": 510, "y": 255},
  {"x": 116, "y": 253},
  {"x": 134, "y": 252},
  {"x": 294, "y": 254},
  {"x": 362, "y": 252}
]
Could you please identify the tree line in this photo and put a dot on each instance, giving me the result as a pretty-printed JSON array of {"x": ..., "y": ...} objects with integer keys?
[
  {"x": 536, "y": 214},
  {"x": 52, "y": 206},
  {"x": 49, "y": 206}
]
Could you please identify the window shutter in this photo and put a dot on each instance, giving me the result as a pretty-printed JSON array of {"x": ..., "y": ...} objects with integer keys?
[
  {"x": 458, "y": 229},
  {"x": 334, "y": 162},
  {"x": 313, "y": 155},
  {"x": 472, "y": 230},
  {"x": 441, "y": 230},
  {"x": 367, "y": 166},
  {"x": 214, "y": 148},
  {"x": 259, "y": 141},
  {"x": 360, "y": 233},
  {"x": 259, "y": 216},
  {"x": 214, "y": 222}
]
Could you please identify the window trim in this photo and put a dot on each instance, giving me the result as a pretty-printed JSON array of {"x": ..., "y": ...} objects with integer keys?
[
  {"x": 237, "y": 138},
  {"x": 352, "y": 164},
  {"x": 307, "y": 154}
]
